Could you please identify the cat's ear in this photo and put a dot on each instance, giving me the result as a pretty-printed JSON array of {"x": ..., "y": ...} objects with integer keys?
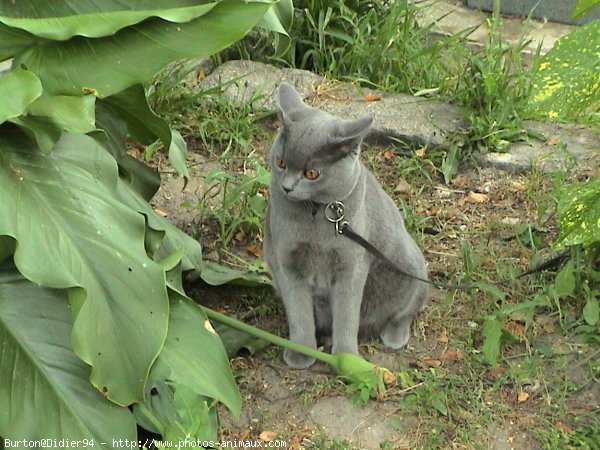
[
  {"x": 288, "y": 101},
  {"x": 350, "y": 133}
]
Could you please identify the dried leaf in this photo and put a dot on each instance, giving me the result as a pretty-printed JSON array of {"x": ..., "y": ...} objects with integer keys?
[
  {"x": 475, "y": 197},
  {"x": 522, "y": 397},
  {"x": 454, "y": 355},
  {"x": 563, "y": 426},
  {"x": 267, "y": 436},
  {"x": 420, "y": 152},
  {"x": 443, "y": 336},
  {"x": 460, "y": 181},
  {"x": 370, "y": 97},
  {"x": 430, "y": 362},
  {"x": 517, "y": 185},
  {"x": 255, "y": 249},
  {"x": 496, "y": 372},
  {"x": 160, "y": 212},
  {"x": 512, "y": 221},
  {"x": 402, "y": 186},
  {"x": 515, "y": 328}
]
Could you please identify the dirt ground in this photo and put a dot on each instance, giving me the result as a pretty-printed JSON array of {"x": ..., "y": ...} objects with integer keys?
[{"x": 545, "y": 387}]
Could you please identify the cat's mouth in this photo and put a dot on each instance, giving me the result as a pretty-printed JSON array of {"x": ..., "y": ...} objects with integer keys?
[{"x": 295, "y": 196}]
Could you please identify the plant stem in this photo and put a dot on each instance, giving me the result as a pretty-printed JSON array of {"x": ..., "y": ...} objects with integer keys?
[{"x": 269, "y": 337}]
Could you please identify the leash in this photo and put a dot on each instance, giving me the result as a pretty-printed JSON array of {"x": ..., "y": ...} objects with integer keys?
[{"x": 334, "y": 213}]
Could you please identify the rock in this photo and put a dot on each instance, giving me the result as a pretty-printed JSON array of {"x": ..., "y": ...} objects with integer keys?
[
  {"x": 567, "y": 147},
  {"x": 397, "y": 116},
  {"x": 414, "y": 120}
]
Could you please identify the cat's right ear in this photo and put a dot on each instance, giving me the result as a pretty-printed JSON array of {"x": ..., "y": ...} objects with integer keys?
[{"x": 288, "y": 101}]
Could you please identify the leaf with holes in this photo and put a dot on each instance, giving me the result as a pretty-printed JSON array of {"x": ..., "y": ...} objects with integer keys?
[
  {"x": 73, "y": 232},
  {"x": 39, "y": 373}
]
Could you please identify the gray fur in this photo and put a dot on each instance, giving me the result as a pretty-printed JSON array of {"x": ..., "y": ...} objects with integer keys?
[{"x": 330, "y": 285}]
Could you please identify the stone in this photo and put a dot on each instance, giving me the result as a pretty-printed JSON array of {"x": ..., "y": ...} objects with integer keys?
[
  {"x": 410, "y": 119},
  {"x": 399, "y": 117},
  {"x": 566, "y": 148}
]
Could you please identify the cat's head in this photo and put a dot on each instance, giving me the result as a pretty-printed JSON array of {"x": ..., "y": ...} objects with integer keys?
[{"x": 315, "y": 155}]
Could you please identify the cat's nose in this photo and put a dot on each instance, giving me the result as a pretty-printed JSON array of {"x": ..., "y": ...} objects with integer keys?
[{"x": 287, "y": 189}]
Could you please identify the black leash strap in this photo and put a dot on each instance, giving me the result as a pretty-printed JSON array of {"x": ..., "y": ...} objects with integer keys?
[{"x": 334, "y": 213}]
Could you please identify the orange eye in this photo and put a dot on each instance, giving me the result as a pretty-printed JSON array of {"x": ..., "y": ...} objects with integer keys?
[
  {"x": 281, "y": 163},
  {"x": 311, "y": 174}
]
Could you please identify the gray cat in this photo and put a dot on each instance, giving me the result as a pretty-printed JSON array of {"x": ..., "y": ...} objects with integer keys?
[{"x": 330, "y": 285}]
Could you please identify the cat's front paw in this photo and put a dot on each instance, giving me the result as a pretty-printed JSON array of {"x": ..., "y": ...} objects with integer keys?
[{"x": 297, "y": 360}]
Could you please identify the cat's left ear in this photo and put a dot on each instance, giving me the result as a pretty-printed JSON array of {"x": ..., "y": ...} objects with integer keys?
[{"x": 350, "y": 133}]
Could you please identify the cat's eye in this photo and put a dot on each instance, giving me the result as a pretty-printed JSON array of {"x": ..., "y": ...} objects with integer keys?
[
  {"x": 281, "y": 164},
  {"x": 311, "y": 174}
]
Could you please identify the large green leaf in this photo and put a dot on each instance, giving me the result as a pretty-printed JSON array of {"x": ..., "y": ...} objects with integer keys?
[
  {"x": 18, "y": 89},
  {"x": 72, "y": 113},
  {"x": 146, "y": 127},
  {"x": 206, "y": 371},
  {"x": 567, "y": 81},
  {"x": 112, "y": 135},
  {"x": 73, "y": 232},
  {"x": 109, "y": 65},
  {"x": 44, "y": 388},
  {"x": 579, "y": 214},
  {"x": 47, "y": 117},
  {"x": 279, "y": 18},
  {"x": 61, "y": 20},
  {"x": 13, "y": 41},
  {"x": 163, "y": 237}
]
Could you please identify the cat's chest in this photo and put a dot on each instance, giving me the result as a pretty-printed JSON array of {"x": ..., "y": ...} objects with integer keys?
[{"x": 319, "y": 265}]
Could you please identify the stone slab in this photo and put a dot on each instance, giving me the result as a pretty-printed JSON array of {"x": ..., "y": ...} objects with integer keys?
[
  {"x": 414, "y": 120},
  {"x": 448, "y": 17},
  {"x": 565, "y": 148},
  {"x": 554, "y": 10}
]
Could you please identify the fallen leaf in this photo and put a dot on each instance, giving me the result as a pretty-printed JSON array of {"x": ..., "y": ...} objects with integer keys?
[
  {"x": 553, "y": 140},
  {"x": 370, "y": 97},
  {"x": 443, "y": 337},
  {"x": 515, "y": 328},
  {"x": 474, "y": 198},
  {"x": 522, "y": 397},
  {"x": 563, "y": 426},
  {"x": 267, "y": 436},
  {"x": 454, "y": 355},
  {"x": 255, "y": 249},
  {"x": 496, "y": 372},
  {"x": 460, "y": 181},
  {"x": 510, "y": 221},
  {"x": 402, "y": 186},
  {"x": 517, "y": 185},
  {"x": 547, "y": 324},
  {"x": 160, "y": 212},
  {"x": 430, "y": 362},
  {"x": 388, "y": 154},
  {"x": 420, "y": 152}
]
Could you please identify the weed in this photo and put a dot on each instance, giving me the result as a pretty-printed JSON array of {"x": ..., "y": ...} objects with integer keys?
[
  {"x": 495, "y": 88},
  {"x": 242, "y": 204},
  {"x": 205, "y": 114}
]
